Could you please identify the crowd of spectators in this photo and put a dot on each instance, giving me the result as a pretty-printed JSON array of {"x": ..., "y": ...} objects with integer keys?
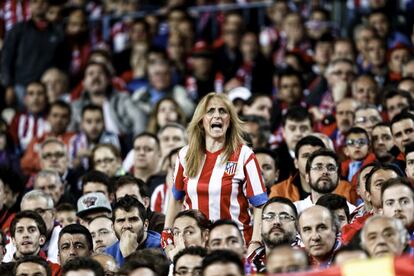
[{"x": 167, "y": 138}]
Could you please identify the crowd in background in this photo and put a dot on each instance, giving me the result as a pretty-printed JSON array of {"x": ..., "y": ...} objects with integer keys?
[{"x": 206, "y": 137}]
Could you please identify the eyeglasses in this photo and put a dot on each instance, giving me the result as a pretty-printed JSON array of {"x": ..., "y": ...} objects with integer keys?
[
  {"x": 56, "y": 155},
  {"x": 283, "y": 217},
  {"x": 357, "y": 142},
  {"x": 372, "y": 119},
  {"x": 105, "y": 161},
  {"x": 320, "y": 167}
]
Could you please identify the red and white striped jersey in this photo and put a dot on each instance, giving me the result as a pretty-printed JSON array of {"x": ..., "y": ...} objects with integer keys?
[
  {"x": 159, "y": 199},
  {"x": 25, "y": 126},
  {"x": 222, "y": 189}
]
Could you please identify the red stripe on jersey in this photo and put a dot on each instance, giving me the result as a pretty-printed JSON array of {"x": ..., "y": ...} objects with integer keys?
[
  {"x": 244, "y": 217},
  {"x": 204, "y": 182}
]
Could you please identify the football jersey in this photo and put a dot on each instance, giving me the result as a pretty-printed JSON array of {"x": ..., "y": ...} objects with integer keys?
[{"x": 222, "y": 189}]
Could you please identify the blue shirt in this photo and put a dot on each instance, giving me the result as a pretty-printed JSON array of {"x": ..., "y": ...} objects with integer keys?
[{"x": 153, "y": 241}]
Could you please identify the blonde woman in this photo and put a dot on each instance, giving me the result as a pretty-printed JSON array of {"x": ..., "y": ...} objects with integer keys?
[{"x": 217, "y": 173}]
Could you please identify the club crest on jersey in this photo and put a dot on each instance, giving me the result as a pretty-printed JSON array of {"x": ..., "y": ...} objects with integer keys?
[{"x": 230, "y": 167}]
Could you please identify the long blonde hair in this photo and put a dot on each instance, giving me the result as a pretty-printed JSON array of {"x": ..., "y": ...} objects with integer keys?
[{"x": 196, "y": 134}]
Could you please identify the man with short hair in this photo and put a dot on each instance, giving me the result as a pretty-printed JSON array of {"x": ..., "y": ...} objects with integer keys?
[
  {"x": 107, "y": 262},
  {"x": 374, "y": 180},
  {"x": 383, "y": 236},
  {"x": 189, "y": 260},
  {"x": 344, "y": 120},
  {"x": 318, "y": 228},
  {"x": 131, "y": 229},
  {"x": 383, "y": 143},
  {"x": 50, "y": 183},
  {"x": 366, "y": 117},
  {"x": 58, "y": 118},
  {"x": 129, "y": 185},
  {"x": 82, "y": 266},
  {"x": 225, "y": 234},
  {"x": 147, "y": 156},
  {"x": 93, "y": 205},
  {"x": 171, "y": 136},
  {"x": 296, "y": 124},
  {"x": 395, "y": 102},
  {"x": 397, "y": 196},
  {"x": 278, "y": 227},
  {"x": 41, "y": 203},
  {"x": 222, "y": 262},
  {"x": 296, "y": 187},
  {"x": 97, "y": 182},
  {"x": 28, "y": 234},
  {"x": 102, "y": 232},
  {"x": 269, "y": 163},
  {"x": 120, "y": 114},
  {"x": 402, "y": 127},
  {"x": 74, "y": 241},
  {"x": 337, "y": 204},
  {"x": 92, "y": 132},
  {"x": 322, "y": 174},
  {"x": 284, "y": 259},
  {"x": 32, "y": 265}
]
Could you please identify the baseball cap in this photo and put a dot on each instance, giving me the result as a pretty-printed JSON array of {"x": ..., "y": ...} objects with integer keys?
[
  {"x": 93, "y": 202},
  {"x": 239, "y": 93}
]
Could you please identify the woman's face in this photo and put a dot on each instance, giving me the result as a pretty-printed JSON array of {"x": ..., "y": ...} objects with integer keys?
[
  {"x": 166, "y": 113},
  {"x": 105, "y": 161},
  {"x": 186, "y": 230},
  {"x": 216, "y": 121}
]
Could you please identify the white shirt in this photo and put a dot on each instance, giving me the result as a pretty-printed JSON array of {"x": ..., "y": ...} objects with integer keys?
[{"x": 303, "y": 204}]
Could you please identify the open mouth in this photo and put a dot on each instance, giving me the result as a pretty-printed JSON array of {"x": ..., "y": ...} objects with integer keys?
[
  {"x": 217, "y": 126},
  {"x": 26, "y": 243}
]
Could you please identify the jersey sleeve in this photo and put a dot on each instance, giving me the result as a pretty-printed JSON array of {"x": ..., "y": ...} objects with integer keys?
[
  {"x": 255, "y": 190},
  {"x": 178, "y": 185}
]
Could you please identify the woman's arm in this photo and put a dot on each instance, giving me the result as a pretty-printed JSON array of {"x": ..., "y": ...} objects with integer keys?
[
  {"x": 174, "y": 207},
  {"x": 257, "y": 229}
]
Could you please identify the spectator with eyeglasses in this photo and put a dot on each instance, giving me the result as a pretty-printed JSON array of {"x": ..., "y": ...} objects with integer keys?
[
  {"x": 357, "y": 151},
  {"x": 107, "y": 159},
  {"x": 366, "y": 117},
  {"x": 278, "y": 227},
  {"x": 322, "y": 175}
]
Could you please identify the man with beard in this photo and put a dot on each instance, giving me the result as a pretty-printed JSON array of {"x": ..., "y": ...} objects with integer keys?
[
  {"x": 131, "y": 229},
  {"x": 322, "y": 174},
  {"x": 278, "y": 227},
  {"x": 397, "y": 197},
  {"x": 318, "y": 228}
]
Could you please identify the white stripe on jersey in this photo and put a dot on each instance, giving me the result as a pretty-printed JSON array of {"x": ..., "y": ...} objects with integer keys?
[{"x": 214, "y": 188}]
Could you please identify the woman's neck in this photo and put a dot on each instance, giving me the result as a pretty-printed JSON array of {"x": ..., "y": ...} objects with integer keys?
[{"x": 213, "y": 145}]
